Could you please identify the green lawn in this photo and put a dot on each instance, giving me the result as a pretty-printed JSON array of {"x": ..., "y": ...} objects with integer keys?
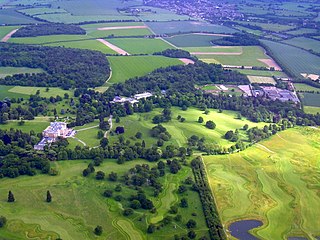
[
  {"x": 311, "y": 110},
  {"x": 53, "y": 91},
  {"x": 9, "y": 71},
  {"x": 125, "y": 67},
  {"x": 140, "y": 45},
  {"x": 5, "y": 93},
  {"x": 36, "y": 125},
  {"x": 275, "y": 179},
  {"x": 78, "y": 205}
]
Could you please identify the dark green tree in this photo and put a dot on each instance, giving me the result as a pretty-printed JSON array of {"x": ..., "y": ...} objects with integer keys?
[
  {"x": 10, "y": 197},
  {"x": 49, "y": 197},
  {"x": 98, "y": 230}
]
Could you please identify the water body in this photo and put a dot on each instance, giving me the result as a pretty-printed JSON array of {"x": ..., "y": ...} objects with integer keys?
[
  {"x": 239, "y": 229},
  {"x": 297, "y": 238}
]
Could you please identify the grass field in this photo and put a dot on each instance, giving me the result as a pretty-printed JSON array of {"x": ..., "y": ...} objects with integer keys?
[
  {"x": 53, "y": 91},
  {"x": 41, "y": 10},
  {"x": 187, "y": 26},
  {"x": 214, "y": 49},
  {"x": 274, "y": 27},
  {"x": 36, "y": 125},
  {"x": 259, "y": 79},
  {"x": 262, "y": 73},
  {"x": 139, "y": 46},
  {"x": 160, "y": 14},
  {"x": 191, "y": 40},
  {"x": 9, "y": 71},
  {"x": 301, "y": 31},
  {"x": 310, "y": 99},
  {"x": 311, "y": 110},
  {"x": 78, "y": 205},
  {"x": 4, "y": 30},
  {"x": 125, "y": 67},
  {"x": 5, "y": 93},
  {"x": 287, "y": 55},
  {"x": 10, "y": 16},
  {"x": 182, "y": 131},
  {"x": 276, "y": 179},
  {"x": 305, "y": 87},
  {"x": 249, "y": 57},
  {"x": 305, "y": 43}
]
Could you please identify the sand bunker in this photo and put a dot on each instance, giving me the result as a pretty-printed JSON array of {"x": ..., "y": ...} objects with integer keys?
[
  {"x": 271, "y": 63},
  {"x": 113, "y": 47},
  {"x": 122, "y": 27}
]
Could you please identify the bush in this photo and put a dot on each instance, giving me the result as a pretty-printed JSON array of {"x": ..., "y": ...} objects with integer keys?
[
  {"x": 3, "y": 221},
  {"x": 98, "y": 230},
  {"x": 128, "y": 212},
  {"x": 210, "y": 124}
]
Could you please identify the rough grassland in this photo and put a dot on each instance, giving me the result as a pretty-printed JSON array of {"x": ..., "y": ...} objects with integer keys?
[
  {"x": 182, "y": 131},
  {"x": 78, "y": 206},
  {"x": 125, "y": 67},
  {"x": 276, "y": 179},
  {"x": 138, "y": 46},
  {"x": 8, "y": 71}
]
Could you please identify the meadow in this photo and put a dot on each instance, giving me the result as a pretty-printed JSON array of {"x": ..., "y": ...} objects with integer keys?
[
  {"x": 305, "y": 43},
  {"x": 274, "y": 27},
  {"x": 301, "y": 31},
  {"x": 52, "y": 91},
  {"x": 305, "y": 87},
  {"x": 9, "y": 71},
  {"x": 259, "y": 79},
  {"x": 187, "y": 26},
  {"x": 4, "y": 93},
  {"x": 140, "y": 46},
  {"x": 41, "y": 10},
  {"x": 311, "y": 110},
  {"x": 249, "y": 57},
  {"x": 37, "y": 125},
  {"x": 214, "y": 49},
  {"x": 10, "y": 16},
  {"x": 261, "y": 73},
  {"x": 159, "y": 14},
  {"x": 72, "y": 197},
  {"x": 287, "y": 56},
  {"x": 4, "y": 30},
  {"x": 191, "y": 40},
  {"x": 126, "y": 67},
  {"x": 275, "y": 179},
  {"x": 181, "y": 131},
  {"x": 310, "y": 99}
]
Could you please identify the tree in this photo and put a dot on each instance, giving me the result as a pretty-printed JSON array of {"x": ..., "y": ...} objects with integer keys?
[
  {"x": 100, "y": 175},
  {"x": 182, "y": 189},
  {"x": 138, "y": 135},
  {"x": 107, "y": 193},
  {"x": 127, "y": 211},
  {"x": 10, "y": 197},
  {"x": 3, "y": 221},
  {"x": 98, "y": 230},
  {"x": 135, "y": 204},
  {"x": 100, "y": 134},
  {"x": 184, "y": 203},
  {"x": 210, "y": 124},
  {"x": 245, "y": 127},
  {"x": 113, "y": 176},
  {"x": 151, "y": 228},
  {"x": 200, "y": 119},
  {"x": 192, "y": 234},
  {"x": 191, "y": 223},
  {"x": 49, "y": 197}
]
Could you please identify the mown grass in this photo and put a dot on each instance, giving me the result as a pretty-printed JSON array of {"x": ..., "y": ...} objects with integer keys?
[
  {"x": 191, "y": 40},
  {"x": 52, "y": 91},
  {"x": 36, "y": 125},
  {"x": 310, "y": 99},
  {"x": 276, "y": 179},
  {"x": 5, "y": 93},
  {"x": 140, "y": 46},
  {"x": 305, "y": 87},
  {"x": 311, "y": 110},
  {"x": 236, "y": 49},
  {"x": 259, "y": 79},
  {"x": 305, "y": 43},
  {"x": 125, "y": 67},
  {"x": 4, "y": 30},
  {"x": 78, "y": 205},
  {"x": 9, "y": 71},
  {"x": 261, "y": 73}
]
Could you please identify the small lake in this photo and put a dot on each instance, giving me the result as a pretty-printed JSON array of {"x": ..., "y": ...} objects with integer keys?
[
  {"x": 297, "y": 238},
  {"x": 239, "y": 229}
]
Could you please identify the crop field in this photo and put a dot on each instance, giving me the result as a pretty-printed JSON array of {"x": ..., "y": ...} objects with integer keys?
[
  {"x": 310, "y": 99},
  {"x": 287, "y": 55},
  {"x": 249, "y": 57},
  {"x": 139, "y": 46},
  {"x": 275, "y": 179},
  {"x": 214, "y": 49},
  {"x": 126, "y": 67},
  {"x": 305, "y": 87},
  {"x": 305, "y": 43},
  {"x": 72, "y": 194},
  {"x": 187, "y": 26},
  {"x": 259, "y": 79},
  {"x": 249, "y": 30},
  {"x": 10, "y": 16},
  {"x": 8, "y": 71},
  {"x": 261, "y": 73},
  {"x": 182, "y": 131},
  {"x": 159, "y": 14},
  {"x": 41, "y": 10},
  {"x": 192, "y": 40},
  {"x": 4, "y": 30},
  {"x": 274, "y": 27},
  {"x": 301, "y": 31}
]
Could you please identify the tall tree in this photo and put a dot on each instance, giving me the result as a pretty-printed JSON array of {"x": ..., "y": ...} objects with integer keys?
[
  {"x": 10, "y": 197},
  {"x": 49, "y": 197}
]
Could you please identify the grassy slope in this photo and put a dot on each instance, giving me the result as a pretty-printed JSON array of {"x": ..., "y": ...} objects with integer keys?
[
  {"x": 78, "y": 205},
  {"x": 137, "y": 45},
  {"x": 8, "y": 71},
  {"x": 275, "y": 180},
  {"x": 125, "y": 67}
]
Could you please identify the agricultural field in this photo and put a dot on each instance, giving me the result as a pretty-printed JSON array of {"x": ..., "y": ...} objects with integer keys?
[
  {"x": 5, "y": 93},
  {"x": 9, "y": 71},
  {"x": 311, "y": 110},
  {"x": 181, "y": 131},
  {"x": 192, "y": 40},
  {"x": 302, "y": 31},
  {"x": 261, "y": 73},
  {"x": 310, "y": 99},
  {"x": 214, "y": 49},
  {"x": 72, "y": 194},
  {"x": 287, "y": 56},
  {"x": 4, "y": 30},
  {"x": 274, "y": 179},
  {"x": 249, "y": 56},
  {"x": 259, "y": 79},
  {"x": 186, "y": 27},
  {"x": 10, "y": 16},
  {"x": 140, "y": 46},
  {"x": 41, "y": 10},
  {"x": 158, "y": 14},
  {"x": 305, "y": 43},
  {"x": 305, "y": 87},
  {"x": 270, "y": 26},
  {"x": 126, "y": 67}
]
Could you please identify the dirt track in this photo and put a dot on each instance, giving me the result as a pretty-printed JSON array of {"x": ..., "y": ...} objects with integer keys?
[
  {"x": 186, "y": 61},
  {"x": 271, "y": 63},
  {"x": 122, "y": 27},
  {"x": 113, "y": 47},
  {"x": 8, "y": 36}
]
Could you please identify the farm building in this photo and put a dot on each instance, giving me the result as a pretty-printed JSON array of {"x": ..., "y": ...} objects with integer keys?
[{"x": 280, "y": 94}]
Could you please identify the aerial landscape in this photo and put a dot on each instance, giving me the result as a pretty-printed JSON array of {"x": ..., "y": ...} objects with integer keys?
[{"x": 159, "y": 119}]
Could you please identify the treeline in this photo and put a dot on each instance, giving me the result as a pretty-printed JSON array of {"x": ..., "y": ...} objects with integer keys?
[
  {"x": 176, "y": 53},
  {"x": 238, "y": 39},
  {"x": 208, "y": 203},
  {"x": 64, "y": 67},
  {"x": 48, "y": 29}
]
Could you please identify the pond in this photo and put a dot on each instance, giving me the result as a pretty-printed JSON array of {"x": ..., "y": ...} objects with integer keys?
[{"x": 239, "y": 229}]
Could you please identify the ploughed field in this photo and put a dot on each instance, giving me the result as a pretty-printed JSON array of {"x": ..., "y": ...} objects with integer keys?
[{"x": 275, "y": 181}]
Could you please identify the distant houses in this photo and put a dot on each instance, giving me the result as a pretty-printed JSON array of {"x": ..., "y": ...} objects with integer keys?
[
  {"x": 132, "y": 100},
  {"x": 52, "y": 132}
]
